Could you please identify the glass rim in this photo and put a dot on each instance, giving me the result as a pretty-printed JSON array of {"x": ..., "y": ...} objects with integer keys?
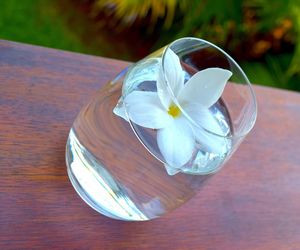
[{"x": 247, "y": 83}]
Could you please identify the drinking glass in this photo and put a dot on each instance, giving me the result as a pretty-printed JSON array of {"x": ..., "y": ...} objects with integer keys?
[{"x": 141, "y": 148}]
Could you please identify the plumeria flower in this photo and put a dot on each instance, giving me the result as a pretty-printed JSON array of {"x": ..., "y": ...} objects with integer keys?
[{"x": 179, "y": 111}]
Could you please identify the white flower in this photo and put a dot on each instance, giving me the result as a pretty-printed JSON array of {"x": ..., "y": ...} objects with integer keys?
[{"x": 177, "y": 135}]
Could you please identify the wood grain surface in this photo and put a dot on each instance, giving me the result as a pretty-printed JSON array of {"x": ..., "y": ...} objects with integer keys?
[{"x": 252, "y": 203}]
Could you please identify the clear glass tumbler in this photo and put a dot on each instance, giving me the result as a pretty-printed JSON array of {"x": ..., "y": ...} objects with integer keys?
[{"x": 150, "y": 138}]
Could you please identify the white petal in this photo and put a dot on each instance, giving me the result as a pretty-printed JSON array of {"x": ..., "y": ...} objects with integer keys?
[
  {"x": 209, "y": 142},
  {"x": 119, "y": 110},
  {"x": 205, "y": 87},
  {"x": 144, "y": 108},
  {"x": 176, "y": 142},
  {"x": 162, "y": 90},
  {"x": 173, "y": 74},
  {"x": 173, "y": 71},
  {"x": 171, "y": 170},
  {"x": 204, "y": 118}
]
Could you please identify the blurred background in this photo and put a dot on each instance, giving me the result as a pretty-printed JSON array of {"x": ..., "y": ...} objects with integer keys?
[{"x": 262, "y": 36}]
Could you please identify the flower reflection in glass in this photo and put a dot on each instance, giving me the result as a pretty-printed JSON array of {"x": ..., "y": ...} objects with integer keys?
[{"x": 177, "y": 134}]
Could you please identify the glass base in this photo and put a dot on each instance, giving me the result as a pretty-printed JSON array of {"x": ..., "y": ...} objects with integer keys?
[{"x": 96, "y": 186}]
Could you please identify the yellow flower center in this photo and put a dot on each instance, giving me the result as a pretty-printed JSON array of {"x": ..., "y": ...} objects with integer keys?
[{"x": 174, "y": 111}]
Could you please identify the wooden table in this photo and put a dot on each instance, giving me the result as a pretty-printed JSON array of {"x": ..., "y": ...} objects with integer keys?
[{"x": 253, "y": 203}]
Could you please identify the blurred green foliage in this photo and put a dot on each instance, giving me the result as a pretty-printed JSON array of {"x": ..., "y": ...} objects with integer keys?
[
  {"x": 56, "y": 24},
  {"x": 263, "y": 36},
  {"x": 36, "y": 22}
]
